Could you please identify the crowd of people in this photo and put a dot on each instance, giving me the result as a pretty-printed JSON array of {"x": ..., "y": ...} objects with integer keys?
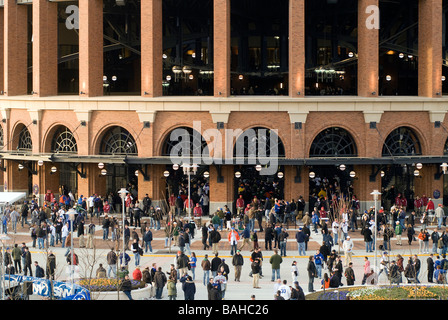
[{"x": 332, "y": 214}]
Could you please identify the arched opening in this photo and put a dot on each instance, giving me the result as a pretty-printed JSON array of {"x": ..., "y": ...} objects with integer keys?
[
  {"x": 332, "y": 184},
  {"x": 117, "y": 141},
  {"x": 184, "y": 142},
  {"x": 398, "y": 179},
  {"x": 63, "y": 142},
  {"x": 258, "y": 142}
]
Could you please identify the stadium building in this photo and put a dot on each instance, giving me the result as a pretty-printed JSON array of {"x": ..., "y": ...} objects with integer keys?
[{"x": 92, "y": 90}]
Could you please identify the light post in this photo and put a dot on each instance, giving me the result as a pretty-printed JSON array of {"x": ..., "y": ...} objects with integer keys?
[
  {"x": 376, "y": 194},
  {"x": 189, "y": 170},
  {"x": 123, "y": 193},
  {"x": 71, "y": 217}
]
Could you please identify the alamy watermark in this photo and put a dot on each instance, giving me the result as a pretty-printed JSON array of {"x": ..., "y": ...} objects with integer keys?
[
  {"x": 234, "y": 146},
  {"x": 372, "y": 21},
  {"x": 72, "y": 21}
]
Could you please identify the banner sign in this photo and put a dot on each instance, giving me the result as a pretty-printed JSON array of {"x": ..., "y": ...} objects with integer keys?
[{"x": 42, "y": 287}]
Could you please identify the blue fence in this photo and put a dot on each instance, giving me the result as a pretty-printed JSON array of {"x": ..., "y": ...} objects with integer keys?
[{"x": 42, "y": 287}]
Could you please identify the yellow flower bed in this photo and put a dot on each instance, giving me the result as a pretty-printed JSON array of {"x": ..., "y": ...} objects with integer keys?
[
  {"x": 370, "y": 297},
  {"x": 419, "y": 292}
]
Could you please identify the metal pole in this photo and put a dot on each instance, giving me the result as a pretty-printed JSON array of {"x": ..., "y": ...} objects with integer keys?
[
  {"x": 376, "y": 230},
  {"x": 375, "y": 194},
  {"x": 72, "y": 253},
  {"x": 189, "y": 193},
  {"x": 123, "y": 218}
]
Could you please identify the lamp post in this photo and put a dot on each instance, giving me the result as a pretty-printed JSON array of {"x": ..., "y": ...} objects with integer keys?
[
  {"x": 123, "y": 193},
  {"x": 71, "y": 217},
  {"x": 189, "y": 170},
  {"x": 375, "y": 194}
]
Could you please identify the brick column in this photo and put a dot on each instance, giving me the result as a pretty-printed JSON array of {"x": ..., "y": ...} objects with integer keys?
[
  {"x": 151, "y": 48},
  {"x": 296, "y": 48},
  {"x": 363, "y": 186},
  {"x": 91, "y": 47},
  {"x": 221, "y": 48},
  {"x": 2, "y": 48},
  {"x": 221, "y": 193},
  {"x": 155, "y": 187},
  {"x": 15, "y": 48},
  {"x": 430, "y": 48},
  {"x": 293, "y": 188},
  {"x": 45, "y": 48},
  {"x": 368, "y": 51}
]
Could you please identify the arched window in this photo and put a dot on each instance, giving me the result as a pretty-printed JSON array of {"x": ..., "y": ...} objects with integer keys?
[
  {"x": 184, "y": 140},
  {"x": 402, "y": 142},
  {"x": 254, "y": 140},
  {"x": 118, "y": 141},
  {"x": 334, "y": 142},
  {"x": 25, "y": 142},
  {"x": 64, "y": 141}
]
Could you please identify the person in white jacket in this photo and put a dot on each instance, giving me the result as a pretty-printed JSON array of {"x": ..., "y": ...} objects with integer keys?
[
  {"x": 294, "y": 272},
  {"x": 347, "y": 246}
]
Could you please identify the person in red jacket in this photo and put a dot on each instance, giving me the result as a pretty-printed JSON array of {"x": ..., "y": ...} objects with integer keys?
[
  {"x": 398, "y": 200},
  {"x": 404, "y": 203},
  {"x": 137, "y": 274},
  {"x": 430, "y": 207},
  {"x": 424, "y": 202},
  {"x": 233, "y": 237},
  {"x": 240, "y": 204},
  {"x": 197, "y": 213},
  {"x": 418, "y": 205}
]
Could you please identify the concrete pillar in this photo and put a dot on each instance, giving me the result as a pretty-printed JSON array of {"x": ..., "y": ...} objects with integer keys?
[
  {"x": 368, "y": 49},
  {"x": 45, "y": 48},
  {"x": 15, "y": 48},
  {"x": 430, "y": 34},
  {"x": 297, "y": 48},
  {"x": 91, "y": 48},
  {"x": 151, "y": 48},
  {"x": 221, "y": 47}
]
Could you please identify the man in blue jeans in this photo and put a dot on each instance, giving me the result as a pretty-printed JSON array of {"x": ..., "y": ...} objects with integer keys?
[
  {"x": 318, "y": 261},
  {"x": 300, "y": 238},
  {"x": 275, "y": 262}
]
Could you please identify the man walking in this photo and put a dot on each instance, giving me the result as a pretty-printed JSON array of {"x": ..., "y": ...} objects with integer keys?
[
  {"x": 348, "y": 250},
  {"x": 301, "y": 238},
  {"x": 112, "y": 262},
  {"x": 312, "y": 273},
  {"x": 238, "y": 262},
  {"x": 275, "y": 262}
]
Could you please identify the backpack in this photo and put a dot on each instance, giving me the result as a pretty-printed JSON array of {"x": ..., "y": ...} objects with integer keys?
[
  {"x": 444, "y": 264},
  {"x": 440, "y": 243}
]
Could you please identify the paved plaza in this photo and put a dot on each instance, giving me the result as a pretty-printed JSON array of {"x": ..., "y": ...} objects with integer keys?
[{"x": 242, "y": 290}]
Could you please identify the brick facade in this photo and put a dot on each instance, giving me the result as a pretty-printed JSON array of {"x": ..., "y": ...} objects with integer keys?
[{"x": 298, "y": 121}]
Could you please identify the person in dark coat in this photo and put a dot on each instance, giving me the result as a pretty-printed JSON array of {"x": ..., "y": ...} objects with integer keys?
[
  {"x": 51, "y": 265},
  {"x": 268, "y": 237},
  {"x": 39, "y": 270},
  {"x": 215, "y": 263},
  {"x": 126, "y": 287},
  {"x": 312, "y": 273},
  {"x": 188, "y": 287}
]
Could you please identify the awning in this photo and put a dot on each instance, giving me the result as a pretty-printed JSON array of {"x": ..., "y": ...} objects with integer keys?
[
  {"x": 161, "y": 160},
  {"x": 300, "y": 162},
  {"x": 11, "y": 197}
]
